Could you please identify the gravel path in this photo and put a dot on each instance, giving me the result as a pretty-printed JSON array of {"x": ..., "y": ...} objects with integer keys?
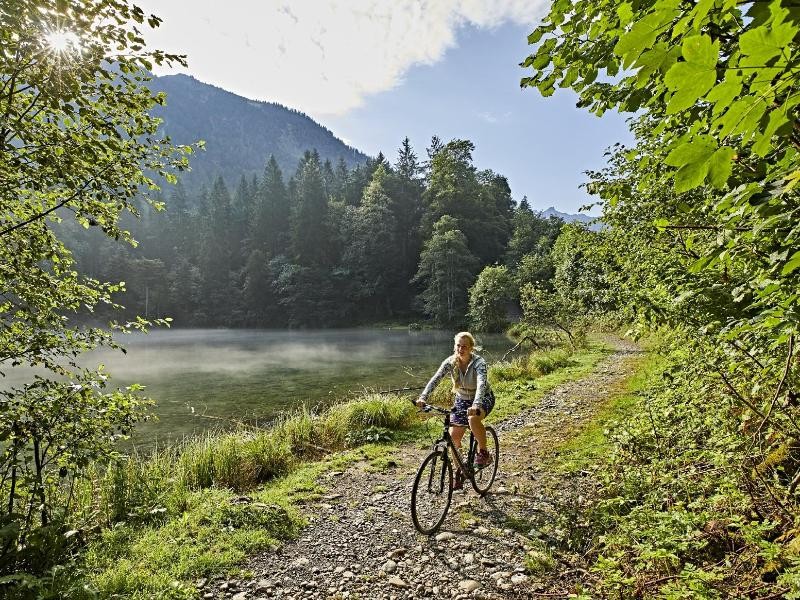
[{"x": 360, "y": 542}]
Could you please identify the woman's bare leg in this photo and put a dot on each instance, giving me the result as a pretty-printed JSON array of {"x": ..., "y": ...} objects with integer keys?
[{"x": 478, "y": 430}]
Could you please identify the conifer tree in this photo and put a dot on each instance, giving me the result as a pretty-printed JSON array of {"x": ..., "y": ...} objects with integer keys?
[
  {"x": 372, "y": 248},
  {"x": 272, "y": 225},
  {"x": 310, "y": 234},
  {"x": 446, "y": 270}
]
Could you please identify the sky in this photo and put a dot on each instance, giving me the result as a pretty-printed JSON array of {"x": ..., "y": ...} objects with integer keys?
[{"x": 376, "y": 71}]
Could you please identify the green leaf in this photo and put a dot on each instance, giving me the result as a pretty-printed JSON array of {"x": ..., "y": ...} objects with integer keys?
[
  {"x": 766, "y": 42},
  {"x": 742, "y": 117},
  {"x": 693, "y": 78},
  {"x": 642, "y": 35},
  {"x": 701, "y": 12},
  {"x": 720, "y": 166},
  {"x": 658, "y": 58},
  {"x": 536, "y": 35},
  {"x": 702, "y": 263},
  {"x": 699, "y": 49},
  {"x": 722, "y": 94},
  {"x": 693, "y": 158},
  {"x": 698, "y": 149},
  {"x": 625, "y": 13},
  {"x": 690, "y": 176},
  {"x": 763, "y": 143},
  {"x": 792, "y": 265}
]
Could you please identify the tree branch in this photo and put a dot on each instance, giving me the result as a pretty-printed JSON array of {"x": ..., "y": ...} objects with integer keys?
[
  {"x": 780, "y": 384},
  {"x": 71, "y": 197}
]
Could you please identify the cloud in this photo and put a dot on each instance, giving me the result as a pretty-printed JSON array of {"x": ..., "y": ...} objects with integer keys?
[
  {"x": 323, "y": 57},
  {"x": 493, "y": 118}
]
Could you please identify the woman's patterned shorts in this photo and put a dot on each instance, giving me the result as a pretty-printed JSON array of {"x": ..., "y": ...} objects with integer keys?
[{"x": 458, "y": 414}]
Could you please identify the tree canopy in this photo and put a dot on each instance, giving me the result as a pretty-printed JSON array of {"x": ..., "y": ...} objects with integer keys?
[{"x": 78, "y": 148}]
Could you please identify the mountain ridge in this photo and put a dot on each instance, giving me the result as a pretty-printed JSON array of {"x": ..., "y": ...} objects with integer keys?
[{"x": 241, "y": 133}]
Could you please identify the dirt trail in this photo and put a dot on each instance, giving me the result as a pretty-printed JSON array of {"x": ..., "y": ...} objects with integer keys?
[{"x": 361, "y": 542}]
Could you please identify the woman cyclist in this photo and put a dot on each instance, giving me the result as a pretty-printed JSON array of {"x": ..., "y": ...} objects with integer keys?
[{"x": 473, "y": 397}]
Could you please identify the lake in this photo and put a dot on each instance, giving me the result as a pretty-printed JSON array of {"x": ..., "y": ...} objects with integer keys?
[{"x": 209, "y": 378}]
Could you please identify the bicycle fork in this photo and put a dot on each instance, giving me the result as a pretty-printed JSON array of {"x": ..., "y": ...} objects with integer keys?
[{"x": 438, "y": 487}]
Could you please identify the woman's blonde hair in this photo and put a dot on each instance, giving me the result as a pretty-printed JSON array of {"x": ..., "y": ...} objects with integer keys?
[{"x": 461, "y": 335}]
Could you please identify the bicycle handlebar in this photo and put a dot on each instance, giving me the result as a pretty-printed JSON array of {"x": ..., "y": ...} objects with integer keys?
[{"x": 432, "y": 408}]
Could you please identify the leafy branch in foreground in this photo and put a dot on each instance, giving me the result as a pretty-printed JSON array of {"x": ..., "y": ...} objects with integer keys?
[
  {"x": 77, "y": 142},
  {"x": 704, "y": 237}
]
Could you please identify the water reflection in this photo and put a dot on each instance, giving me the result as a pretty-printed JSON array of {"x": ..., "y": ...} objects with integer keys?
[{"x": 203, "y": 377}]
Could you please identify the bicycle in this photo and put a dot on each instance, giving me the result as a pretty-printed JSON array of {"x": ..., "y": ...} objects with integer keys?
[{"x": 433, "y": 486}]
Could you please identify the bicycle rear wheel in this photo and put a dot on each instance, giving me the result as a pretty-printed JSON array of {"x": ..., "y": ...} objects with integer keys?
[
  {"x": 432, "y": 492},
  {"x": 483, "y": 476}
]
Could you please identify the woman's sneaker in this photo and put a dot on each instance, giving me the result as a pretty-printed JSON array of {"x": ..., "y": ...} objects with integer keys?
[
  {"x": 458, "y": 483},
  {"x": 483, "y": 458}
]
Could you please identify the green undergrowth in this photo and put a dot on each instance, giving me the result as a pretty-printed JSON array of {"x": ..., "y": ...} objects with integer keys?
[
  {"x": 590, "y": 443},
  {"x": 521, "y": 384},
  {"x": 213, "y": 536},
  {"x": 157, "y": 523},
  {"x": 674, "y": 514}
]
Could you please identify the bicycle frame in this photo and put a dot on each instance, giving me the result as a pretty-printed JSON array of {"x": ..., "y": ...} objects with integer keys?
[{"x": 446, "y": 444}]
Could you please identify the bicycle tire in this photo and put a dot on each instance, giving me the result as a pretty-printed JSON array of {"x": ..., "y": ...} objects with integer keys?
[
  {"x": 483, "y": 477},
  {"x": 432, "y": 485}
]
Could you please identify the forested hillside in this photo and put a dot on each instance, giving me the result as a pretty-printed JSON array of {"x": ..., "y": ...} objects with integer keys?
[
  {"x": 326, "y": 245},
  {"x": 239, "y": 134}
]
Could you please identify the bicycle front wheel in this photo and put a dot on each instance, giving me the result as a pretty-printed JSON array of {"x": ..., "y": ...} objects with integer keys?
[
  {"x": 432, "y": 492},
  {"x": 484, "y": 475}
]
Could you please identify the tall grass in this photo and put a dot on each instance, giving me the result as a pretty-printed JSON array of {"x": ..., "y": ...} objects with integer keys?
[
  {"x": 537, "y": 364},
  {"x": 146, "y": 487}
]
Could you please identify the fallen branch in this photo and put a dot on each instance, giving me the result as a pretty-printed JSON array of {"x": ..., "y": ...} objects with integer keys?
[{"x": 518, "y": 344}]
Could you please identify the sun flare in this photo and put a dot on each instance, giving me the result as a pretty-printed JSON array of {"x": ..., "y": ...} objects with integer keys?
[{"x": 62, "y": 41}]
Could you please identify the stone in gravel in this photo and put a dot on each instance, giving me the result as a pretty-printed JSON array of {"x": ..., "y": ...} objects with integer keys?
[
  {"x": 263, "y": 585},
  {"x": 481, "y": 530},
  {"x": 488, "y": 562},
  {"x": 399, "y": 583},
  {"x": 390, "y": 566},
  {"x": 469, "y": 559},
  {"x": 348, "y": 575},
  {"x": 208, "y": 595},
  {"x": 519, "y": 578},
  {"x": 338, "y": 570},
  {"x": 201, "y": 583},
  {"x": 240, "y": 596},
  {"x": 468, "y": 585},
  {"x": 302, "y": 562},
  {"x": 444, "y": 536},
  {"x": 397, "y": 552}
]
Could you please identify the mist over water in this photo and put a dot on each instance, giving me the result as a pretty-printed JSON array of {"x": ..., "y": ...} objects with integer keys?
[{"x": 209, "y": 378}]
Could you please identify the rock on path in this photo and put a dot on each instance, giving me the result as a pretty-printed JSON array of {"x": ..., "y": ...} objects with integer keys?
[{"x": 361, "y": 544}]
